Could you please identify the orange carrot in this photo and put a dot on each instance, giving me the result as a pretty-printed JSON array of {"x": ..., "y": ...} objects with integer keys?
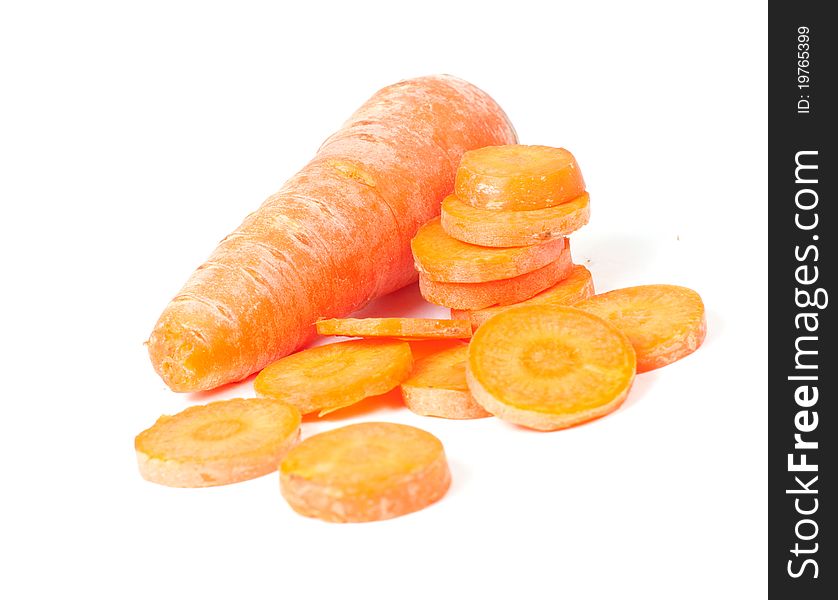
[
  {"x": 407, "y": 142},
  {"x": 218, "y": 443},
  {"x": 442, "y": 258},
  {"x": 335, "y": 236},
  {"x": 403, "y": 329},
  {"x": 665, "y": 323},
  {"x": 503, "y": 291},
  {"x": 326, "y": 378},
  {"x": 515, "y": 177},
  {"x": 437, "y": 387},
  {"x": 575, "y": 287},
  {"x": 549, "y": 367},
  {"x": 504, "y": 228},
  {"x": 364, "y": 472}
]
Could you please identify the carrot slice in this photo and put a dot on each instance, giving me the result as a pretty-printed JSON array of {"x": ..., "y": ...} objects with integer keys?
[
  {"x": 665, "y": 323},
  {"x": 437, "y": 387},
  {"x": 326, "y": 378},
  {"x": 547, "y": 367},
  {"x": 576, "y": 287},
  {"x": 218, "y": 443},
  {"x": 503, "y": 291},
  {"x": 365, "y": 472},
  {"x": 518, "y": 177},
  {"x": 506, "y": 228},
  {"x": 442, "y": 258},
  {"x": 402, "y": 328}
]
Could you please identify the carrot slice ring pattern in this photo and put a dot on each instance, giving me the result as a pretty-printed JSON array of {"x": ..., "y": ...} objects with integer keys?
[
  {"x": 548, "y": 367},
  {"x": 365, "y": 472},
  {"x": 665, "y": 323},
  {"x": 325, "y": 378},
  {"x": 218, "y": 443}
]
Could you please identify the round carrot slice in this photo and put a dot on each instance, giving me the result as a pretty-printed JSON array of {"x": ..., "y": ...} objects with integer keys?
[
  {"x": 326, "y": 378},
  {"x": 576, "y": 287},
  {"x": 502, "y": 291},
  {"x": 365, "y": 472},
  {"x": 664, "y": 322},
  {"x": 218, "y": 443},
  {"x": 517, "y": 177},
  {"x": 505, "y": 228},
  {"x": 442, "y": 258},
  {"x": 402, "y": 328},
  {"x": 548, "y": 367},
  {"x": 437, "y": 387}
]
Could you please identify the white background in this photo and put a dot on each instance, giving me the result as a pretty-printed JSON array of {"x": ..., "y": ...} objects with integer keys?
[{"x": 134, "y": 137}]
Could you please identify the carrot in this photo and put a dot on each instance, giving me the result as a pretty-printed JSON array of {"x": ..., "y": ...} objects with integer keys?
[
  {"x": 503, "y": 291},
  {"x": 422, "y": 348},
  {"x": 365, "y": 472},
  {"x": 437, "y": 387},
  {"x": 548, "y": 367},
  {"x": 665, "y": 323},
  {"x": 434, "y": 112},
  {"x": 515, "y": 177},
  {"x": 325, "y": 378},
  {"x": 575, "y": 287},
  {"x": 218, "y": 443},
  {"x": 335, "y": 236},
  {"x": 401, "y": 147},
  {"x": 505, "y": 228},
  {"x": 442, "y": 258},
  {"x": 405, "y": 329}
]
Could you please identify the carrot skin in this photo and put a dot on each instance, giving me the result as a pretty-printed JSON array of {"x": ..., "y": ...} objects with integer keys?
[
  {"x": 334, "y": 237},
  {"x": 476, "y": 296}
]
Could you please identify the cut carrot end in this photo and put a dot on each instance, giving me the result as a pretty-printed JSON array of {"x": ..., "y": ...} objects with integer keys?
[
  {"x": 440, "y": 257},
  {"x": 326, "y": 378},
  {"x": 507, "y": 228},
  {"x": 548, "y": 367},
  {"x": 365, "y": 472},
  {"x": 518, "y": 177},
  {"x": 218, "y": 443},
  {"x": 665, "y": 323},
  {"x": 577, "y": 286},
  {"x": 503, "y": 291},
  {"x": 437, "y": 387},
  {"x": 402, "y": 328}
]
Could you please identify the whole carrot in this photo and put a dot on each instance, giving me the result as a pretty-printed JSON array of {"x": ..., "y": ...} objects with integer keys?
[{"x": 333, "y": 238}]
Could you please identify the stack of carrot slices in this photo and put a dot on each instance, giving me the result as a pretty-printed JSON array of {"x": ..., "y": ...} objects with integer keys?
[
  {"x": 502, "y": 236},
  {"x": 528, "y": 342}
]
